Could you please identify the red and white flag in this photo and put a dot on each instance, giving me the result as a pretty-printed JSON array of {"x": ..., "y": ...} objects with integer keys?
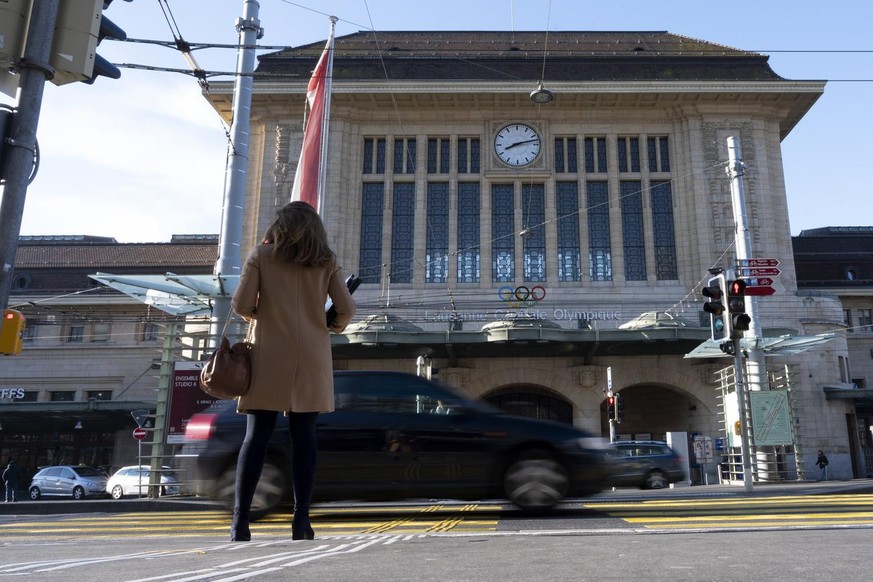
[{"x": 309, "y": 179}]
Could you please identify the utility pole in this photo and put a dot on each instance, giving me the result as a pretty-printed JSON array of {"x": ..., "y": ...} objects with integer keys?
[
  {"x": 755, "y": 364},
  {"x": 35, "y": 69},
  {"x": 230, "y": 236}
]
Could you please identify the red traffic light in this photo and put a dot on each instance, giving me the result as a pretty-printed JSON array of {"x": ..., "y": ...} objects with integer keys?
[{"x": 737, "y": 287}]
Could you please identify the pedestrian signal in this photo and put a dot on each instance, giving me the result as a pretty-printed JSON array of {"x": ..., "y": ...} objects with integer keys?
[{"x": 11, "y": 330}]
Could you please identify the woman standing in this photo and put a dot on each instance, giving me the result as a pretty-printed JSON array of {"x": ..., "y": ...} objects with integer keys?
[{"x": 283, "y": 287}]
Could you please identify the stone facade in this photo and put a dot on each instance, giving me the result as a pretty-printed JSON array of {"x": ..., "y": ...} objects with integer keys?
[{"x": 693, "y": 104}]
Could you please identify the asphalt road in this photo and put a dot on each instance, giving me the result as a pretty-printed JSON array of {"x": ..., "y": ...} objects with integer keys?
[{"x": 748, "y": 537}]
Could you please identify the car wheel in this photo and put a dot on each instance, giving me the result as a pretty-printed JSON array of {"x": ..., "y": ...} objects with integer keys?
[
  {"x": 268, "y": 495},
  {"x": 655, "y": 480},
  {"x": 35, "y": 493},
  {"x": 536, "y": 480},
  {"x": 78, "y": 492},
  {"x": 117, "y": 492}
]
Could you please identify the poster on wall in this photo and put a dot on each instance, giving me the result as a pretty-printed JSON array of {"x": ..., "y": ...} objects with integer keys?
[
  {"x": 186, "y": 399},
  {"x": 771, "y": 419}
]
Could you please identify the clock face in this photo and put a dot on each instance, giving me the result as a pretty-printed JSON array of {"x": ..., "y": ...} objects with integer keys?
[{"x": 517, "y": 144}]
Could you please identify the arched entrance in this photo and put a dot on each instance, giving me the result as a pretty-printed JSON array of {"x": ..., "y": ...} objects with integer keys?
[
  {"x": 650, "y": 411},
  {"x": 531, "y": 402}
]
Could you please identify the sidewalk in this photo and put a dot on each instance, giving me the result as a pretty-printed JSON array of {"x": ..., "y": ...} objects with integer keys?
[{"x": 190, "y": 503}]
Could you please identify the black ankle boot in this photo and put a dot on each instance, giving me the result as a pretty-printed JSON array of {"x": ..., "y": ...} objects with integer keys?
[
  {"x": 301, "y": 529},
  {"x": 239, "y": 528}
]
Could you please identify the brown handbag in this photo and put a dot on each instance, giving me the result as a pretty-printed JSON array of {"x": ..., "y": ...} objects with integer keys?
[{"x": 227, "y": 373}]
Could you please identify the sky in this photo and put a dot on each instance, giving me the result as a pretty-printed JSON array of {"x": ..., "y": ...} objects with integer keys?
[{"x": 143, "y": 157}]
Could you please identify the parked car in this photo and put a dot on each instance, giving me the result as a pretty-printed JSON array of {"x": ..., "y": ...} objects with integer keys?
[
  {"x": 134, "y": 480},
  {"x": 73, "y": 481},
  {"x": 387, "y": 441},
  {"x": 644, "y": 464}
]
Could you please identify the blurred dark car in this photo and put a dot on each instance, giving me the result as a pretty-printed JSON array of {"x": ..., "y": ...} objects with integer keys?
[
  {"x": 76, "y": 481},
  {"x": 643, "y": 464},
  {"x": 399, "y": 436}
]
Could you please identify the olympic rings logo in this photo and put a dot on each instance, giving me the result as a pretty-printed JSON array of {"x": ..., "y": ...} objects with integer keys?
[{"x": 522, "y": 295}]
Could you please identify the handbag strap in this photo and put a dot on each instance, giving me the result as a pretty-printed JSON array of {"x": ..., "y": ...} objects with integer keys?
[{"x": 250, "y": 332}]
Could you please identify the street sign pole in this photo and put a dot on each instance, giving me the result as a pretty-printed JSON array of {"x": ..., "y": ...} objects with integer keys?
[
  {"x": 755, "y": 371},
  {"x": 21, "y": 141}
]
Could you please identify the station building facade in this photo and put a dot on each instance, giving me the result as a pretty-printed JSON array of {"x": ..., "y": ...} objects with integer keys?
[
  {"x": 526, "y": 249},
  {"x": 528, "y": 283}
]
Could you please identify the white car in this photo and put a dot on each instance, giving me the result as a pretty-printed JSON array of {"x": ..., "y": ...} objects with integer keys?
[{"x": 134, "y": 480}]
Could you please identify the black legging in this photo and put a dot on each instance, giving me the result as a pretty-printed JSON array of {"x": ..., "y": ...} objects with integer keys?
[{"x": 259, "y": 430}]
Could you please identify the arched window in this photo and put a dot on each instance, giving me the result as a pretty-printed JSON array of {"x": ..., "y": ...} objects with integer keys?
[{"x": 532, "y": 402}]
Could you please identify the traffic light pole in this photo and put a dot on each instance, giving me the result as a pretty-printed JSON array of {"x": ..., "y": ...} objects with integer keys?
[
  {"x": 755, "y": 364},
  {"x": 230, "y": 236},
  {"x": 19, "y": 164},
  {"x": 745, "y": 451}
]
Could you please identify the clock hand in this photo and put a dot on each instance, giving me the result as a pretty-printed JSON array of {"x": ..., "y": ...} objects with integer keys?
[{"x": 518, "y": 143}]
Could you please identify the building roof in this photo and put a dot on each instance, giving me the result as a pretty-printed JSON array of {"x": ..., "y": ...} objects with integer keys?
[
  {"x": 520, "y": 55},
  {"x": 834, "y": 257},
  {"x": 114, "y": 256}
]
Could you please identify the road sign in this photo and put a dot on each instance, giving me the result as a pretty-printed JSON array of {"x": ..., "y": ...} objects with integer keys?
[
  {"x": 758, "y": 262},
  {"x": 139, "y": 433},
  {"x": 140, "y": 416},
  {"x": 759, "y": 272},
  {"x": 757, "y": 281},
  {"x": 760, "y": 291}
]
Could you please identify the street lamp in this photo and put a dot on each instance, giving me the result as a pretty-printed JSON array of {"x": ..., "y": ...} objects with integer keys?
[{"x": 541, "y": 94}]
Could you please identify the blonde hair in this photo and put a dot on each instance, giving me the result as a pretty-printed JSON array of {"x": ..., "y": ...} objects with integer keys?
[{"x": 298, "y": 236}]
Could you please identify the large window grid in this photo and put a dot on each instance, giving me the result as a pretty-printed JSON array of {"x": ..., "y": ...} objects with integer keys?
[
  {"x": 569, "y": 252},
  {"x": 632, "y": 231},
  {"x": 534, "y": 252},
  {"x": 370, "y": 265},
  {"x": 402, "y": 233},
  {"x": 436, "y": 268},
  {"x": 599, "y": 249},
  {"x": 663, "y": 231},
  {"x": 445, "y": 153},
  {"x": 468, "y": 232},
  {"x": 502, "y": 233}
]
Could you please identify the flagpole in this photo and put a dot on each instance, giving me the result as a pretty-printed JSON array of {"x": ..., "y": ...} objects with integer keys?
[{"x": 325, "y": 126}]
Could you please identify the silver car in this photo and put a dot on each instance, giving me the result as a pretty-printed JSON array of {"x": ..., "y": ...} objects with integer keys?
[
  {"x": 643, "y": 464},
  {"x": 134, "y": 480},
  {"x": 73, "y": 481}
]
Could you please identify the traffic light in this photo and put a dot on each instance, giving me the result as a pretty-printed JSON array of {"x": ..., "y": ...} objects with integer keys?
[
  {"x": 719, "y": 321},
  {"x": 618, "y": 410},
  {"x": 736, "y": 300},
  {"x": 738, "y": 428},
  {"x": 13, "y": 32},
  {"x": 79, "y": 28},
  {"x": 11, "y": 328},
  {"x": 610, "y": 407}
]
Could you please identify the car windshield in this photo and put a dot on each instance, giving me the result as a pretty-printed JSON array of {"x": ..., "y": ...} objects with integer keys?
[{"x": 88, "y": 472}]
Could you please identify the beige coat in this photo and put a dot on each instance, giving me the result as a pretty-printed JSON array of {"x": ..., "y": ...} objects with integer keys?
[{"x": 292, "y": 364}]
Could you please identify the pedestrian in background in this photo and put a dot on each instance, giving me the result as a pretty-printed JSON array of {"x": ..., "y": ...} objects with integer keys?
[
  {"x": 283, "y": 287},
  {"x": 11, "y": 475},
  {"x": 822, "y": 463}
]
